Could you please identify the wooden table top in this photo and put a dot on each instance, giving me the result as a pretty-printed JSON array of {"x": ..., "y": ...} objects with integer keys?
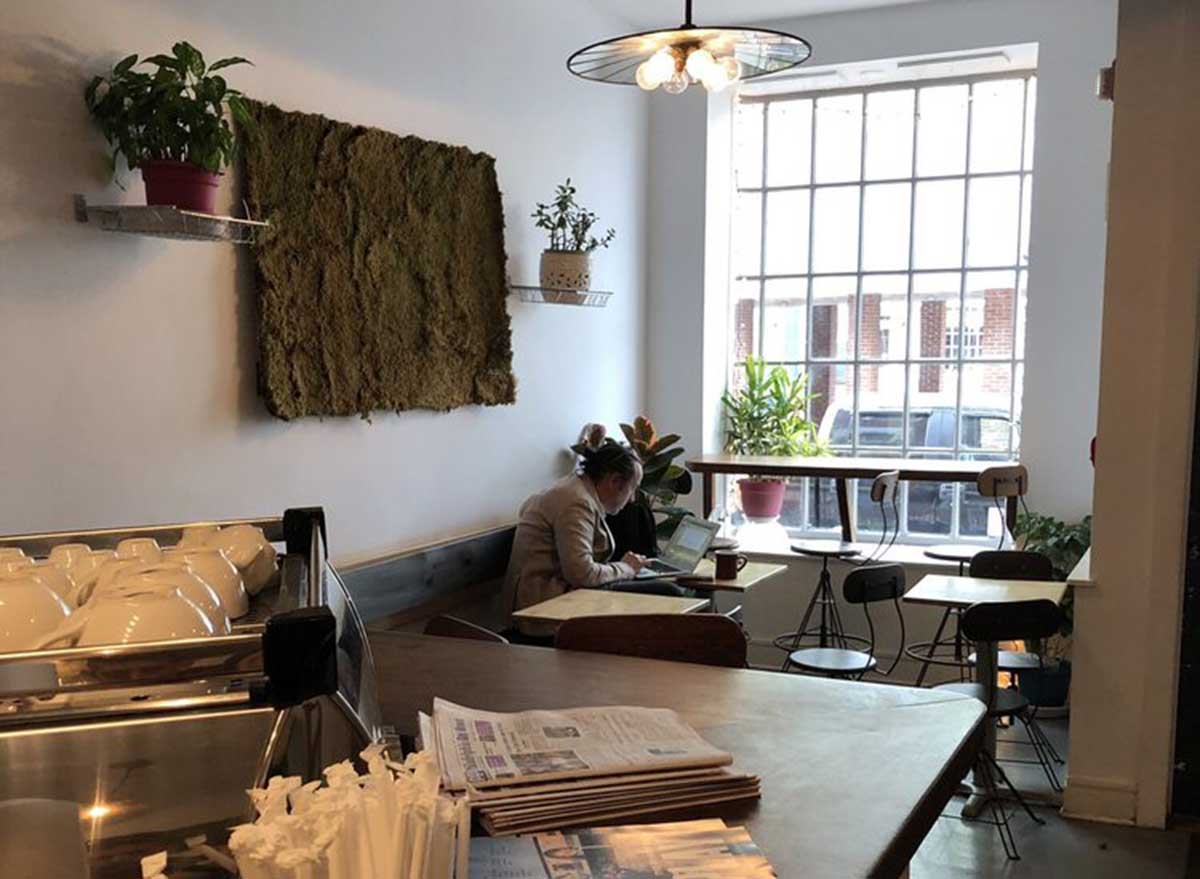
[
  {"x": 749, "y": 576},
  {"x": 915, "y": 469},
  {"x": 601, "y": 602},
  {"x": 853, "y": 774},
  {"x": 965, "y": 591}
]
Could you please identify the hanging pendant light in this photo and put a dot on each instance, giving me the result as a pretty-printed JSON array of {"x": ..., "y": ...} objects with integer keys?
[{"x": 674, "y": 59}]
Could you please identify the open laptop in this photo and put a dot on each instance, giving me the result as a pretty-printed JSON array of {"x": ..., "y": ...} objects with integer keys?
[{"x": 686, "y": 547}]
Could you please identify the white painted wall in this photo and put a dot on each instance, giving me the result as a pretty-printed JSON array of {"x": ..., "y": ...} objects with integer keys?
[
  {"x": 1076, "y": 38},
  {"x": 128, "y": 392}
]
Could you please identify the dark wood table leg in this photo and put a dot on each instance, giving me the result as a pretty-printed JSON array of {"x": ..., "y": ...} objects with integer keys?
[
  {"x": 707, "y": 479},
  {"x": 846, "y": 511}
]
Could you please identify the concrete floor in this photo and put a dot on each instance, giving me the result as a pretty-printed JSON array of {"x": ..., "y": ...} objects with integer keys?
[{"x": 1059, "y": 848}]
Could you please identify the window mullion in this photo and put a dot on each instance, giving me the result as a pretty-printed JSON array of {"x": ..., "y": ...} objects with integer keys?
[
  {"x": 956, "y": 503},
  {"x": 813, "y": 488},
  {"x": 1016, "y": 303}
]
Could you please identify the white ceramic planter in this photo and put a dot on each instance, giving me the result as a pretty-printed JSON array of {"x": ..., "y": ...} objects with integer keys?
[{"x": 566, "y": 270}]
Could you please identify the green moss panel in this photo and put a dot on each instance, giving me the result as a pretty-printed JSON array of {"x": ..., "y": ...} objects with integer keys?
[{"x": 381, "y": 281}]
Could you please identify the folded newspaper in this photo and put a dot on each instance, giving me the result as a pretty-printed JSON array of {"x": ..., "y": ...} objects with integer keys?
[
  {"x": 547, "y": 770},
  {"x": 683, "y": 850}
]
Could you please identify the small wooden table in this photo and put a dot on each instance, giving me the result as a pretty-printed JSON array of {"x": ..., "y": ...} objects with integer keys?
[
  {"x": 749, "y": 576},
  {"x": 853, "y": 774},
  {"x": 841, "y": 470},
  {"x": 601, "y": 602},
  {"x": 962, "y": 592}
]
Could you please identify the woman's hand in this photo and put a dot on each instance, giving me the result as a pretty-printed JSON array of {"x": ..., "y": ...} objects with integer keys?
[{"x": 635, "y": 561}]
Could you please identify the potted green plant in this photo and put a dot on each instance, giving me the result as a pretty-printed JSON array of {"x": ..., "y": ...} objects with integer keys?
[
  {"x": 1064, "y": 544},
  {"x": 769, "y": 416},
  {"x": 567, "y": 262},
  {"x": 170, "y": 123}
]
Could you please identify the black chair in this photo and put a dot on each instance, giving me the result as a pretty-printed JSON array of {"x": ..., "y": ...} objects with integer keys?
[
  {"x": 994, "y": 622},
  {"x": 829, "y": 630},
  {"x": 995, "y": 564},
  {"x": 997, "y": 483},
  {"x": 863, "y": 586}
]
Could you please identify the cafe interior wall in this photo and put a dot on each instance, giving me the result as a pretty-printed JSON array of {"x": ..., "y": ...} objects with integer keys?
[{"x": 129, "y": 363}]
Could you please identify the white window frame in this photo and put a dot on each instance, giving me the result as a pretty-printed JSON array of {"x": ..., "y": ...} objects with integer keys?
[{"x": 1019, "y": 269}]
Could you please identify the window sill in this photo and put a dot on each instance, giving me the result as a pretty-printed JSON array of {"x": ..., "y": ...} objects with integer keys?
[{"x": 899, "y": 553}]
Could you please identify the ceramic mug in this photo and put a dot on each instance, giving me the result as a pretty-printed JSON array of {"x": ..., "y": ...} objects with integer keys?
[
  {"x": 11, "y": 553},
  {"x": 130, "y": 615},
  {"x": 729, "y": 564},
  {"x": 144, "y": 548},
  {"x": 68, "y": 555},
  {"x": 195, "y": 536},
  {"x": 29, "y": 610},
  {"x": 211, "y": 566},
  {"x": 251, "y": 553},
  {"x": 123, "y": 578},
  {"x": 55, "y": 577}
]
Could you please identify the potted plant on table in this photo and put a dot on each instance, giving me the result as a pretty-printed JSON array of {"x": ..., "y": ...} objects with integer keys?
[
  {"x": 1064, "y": 544},
  {"x": 567, "y": 262},
  {"x": 171, "y": 123},
  {"x": 769, "y": 416}
]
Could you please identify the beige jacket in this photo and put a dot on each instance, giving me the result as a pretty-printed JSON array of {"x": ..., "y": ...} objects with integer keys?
[{"x": 562, "y": 542}]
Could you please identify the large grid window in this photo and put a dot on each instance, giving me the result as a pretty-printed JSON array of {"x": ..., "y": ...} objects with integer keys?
[{"x": 880, "y": 244}]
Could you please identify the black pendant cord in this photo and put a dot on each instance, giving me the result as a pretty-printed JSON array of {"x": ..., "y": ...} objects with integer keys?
[{"x": 687, "y": 15}]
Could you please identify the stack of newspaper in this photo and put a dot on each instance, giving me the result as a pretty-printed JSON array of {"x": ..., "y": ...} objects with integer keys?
[
  {"x": 683, "y": 850},
  {"x": 546, "y": 770}
]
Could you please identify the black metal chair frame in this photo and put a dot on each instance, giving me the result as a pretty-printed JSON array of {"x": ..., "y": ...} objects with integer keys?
[{"x": 864, "y": 586}]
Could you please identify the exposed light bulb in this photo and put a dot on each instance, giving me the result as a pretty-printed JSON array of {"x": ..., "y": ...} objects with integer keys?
[
  {"x": 678, "y": 83},
  {"x": 700, "y": 63},
  {"x": 660, "y": 66},
  {"x": 645, "y": 77}
]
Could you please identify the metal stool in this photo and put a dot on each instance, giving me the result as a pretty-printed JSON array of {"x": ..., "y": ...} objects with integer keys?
[
  {"x": 948, "y": 651},
  {"x": 829, "y": 630}
]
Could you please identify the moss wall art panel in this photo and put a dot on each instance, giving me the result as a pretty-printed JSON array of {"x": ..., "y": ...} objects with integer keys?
[{"x": 381, "y": 280}]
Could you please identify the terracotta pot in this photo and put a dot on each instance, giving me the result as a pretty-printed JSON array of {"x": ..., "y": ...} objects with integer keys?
[
  {"x": 186, "y": 186},
  {"x": 566, "y": 270},
  {"x": 762, "y": 499}
]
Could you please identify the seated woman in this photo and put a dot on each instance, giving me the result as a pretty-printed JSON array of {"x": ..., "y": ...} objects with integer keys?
[{"x": 562, "y": 541}]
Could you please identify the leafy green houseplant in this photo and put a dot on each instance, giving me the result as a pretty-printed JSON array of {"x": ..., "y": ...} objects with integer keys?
[
  {"x": 1064, "y": 544},
  {"x": 171, "y": 122},
  {"x": 769, "y": 416},
  {"x": 566, "y": 263}
]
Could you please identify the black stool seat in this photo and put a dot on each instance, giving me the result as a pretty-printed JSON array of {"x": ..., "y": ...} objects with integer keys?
[
  {"x": 953, "y": 552},
  {"x": 828, "y": 549},
  {"x": 1007, "y": 702},
  {"x": 1013, "y": 661},
  {"x": 832, "y": 660}
]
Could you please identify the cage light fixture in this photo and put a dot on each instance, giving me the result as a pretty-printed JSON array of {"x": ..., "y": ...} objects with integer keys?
[{"x": 713, "y": 56}]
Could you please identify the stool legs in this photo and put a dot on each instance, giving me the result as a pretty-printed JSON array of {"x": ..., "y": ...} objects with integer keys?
[{"x": 828, "y": 630}]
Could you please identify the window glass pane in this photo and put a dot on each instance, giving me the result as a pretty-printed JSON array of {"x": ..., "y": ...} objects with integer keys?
[
  {"x": 932, "y": 394},
  {"x": 886, "y": 216},
  {"x": 889, "y": 134},
  {"x": 939, "y": 225},
  {"x": 942, "y": 130},
  {"x": 996, "y": 115},
  {"x": 833, "y": 311},
  {"x": 789, "y": 143},
  {"x": 986, "y": 397},
  {"x": 1030, "y": 117},
  {"x": 988, "y": 315},
  {"x": 1022, "y": 305},
  {"x": 979, "y": 516},
  {"x": 748, "y": 145},
  {"x": 747, "y": 233},
  {"x": 881, "y": 405},
  {"x": 883, "y": 318},
  {"x": 930, "y": 504},
  {"x": 835, "y": 229},
  {"x": 839, "y": 138},
  {"x": 785, "y": 322},
  {"x": 1026, "y": 200},
  {"x": 744, "y": 320},
  {"x": 832, "y": 408},
  {"x": 822, "y": 505},
  {"x": 934, "y": 319},
  {"x": 787, "y": 232},
  {"x": 870, "y": 516},
  {"x": 993, "y": 212}
]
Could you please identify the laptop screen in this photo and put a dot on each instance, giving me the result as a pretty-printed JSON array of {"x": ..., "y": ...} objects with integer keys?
[{"x": 689, "y": 542}]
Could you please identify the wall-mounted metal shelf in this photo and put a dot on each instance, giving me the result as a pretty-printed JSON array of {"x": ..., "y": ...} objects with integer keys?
[
  {"x": 158, "y": 221},
  {"x": 592, "y": 298}
]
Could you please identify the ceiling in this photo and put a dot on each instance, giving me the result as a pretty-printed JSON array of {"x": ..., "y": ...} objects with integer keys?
[{"x": 669, "y": 13}]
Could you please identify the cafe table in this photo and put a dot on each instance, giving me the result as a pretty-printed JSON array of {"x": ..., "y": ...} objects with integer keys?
[
  {"x": 841, "y": 470},
  {"x": 853, "y": 774},
  {"x": 962, "y": 592},
  {"x": 703, "y": 579},
  {"x": 601, "y": 602}
]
